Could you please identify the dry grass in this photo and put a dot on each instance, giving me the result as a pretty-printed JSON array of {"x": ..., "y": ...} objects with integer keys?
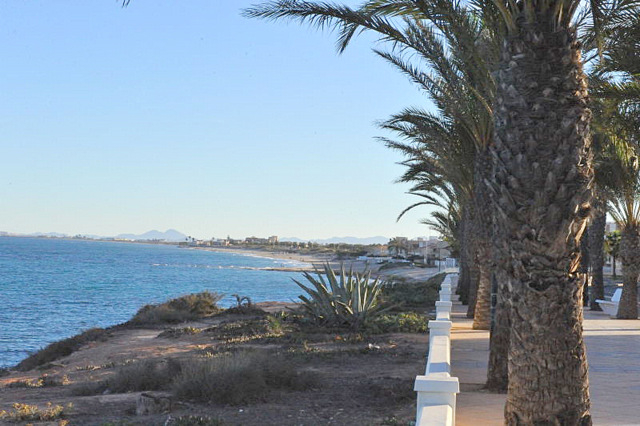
[
  {"x": 61, "y": 349},
  {"x": 185, "y": 308},
  {"x": 144, "y": 376},
  {"x": 243, "y": 377}
]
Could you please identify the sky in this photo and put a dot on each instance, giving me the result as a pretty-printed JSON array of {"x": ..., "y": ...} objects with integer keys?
[{"x": 186, "y": 115}]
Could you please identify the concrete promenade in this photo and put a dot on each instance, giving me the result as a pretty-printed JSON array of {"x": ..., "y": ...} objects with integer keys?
[{"x": 613, "y": 351}]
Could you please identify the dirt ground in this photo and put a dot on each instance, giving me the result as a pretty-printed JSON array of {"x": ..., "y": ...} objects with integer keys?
[{"x": 361, "y": 380}]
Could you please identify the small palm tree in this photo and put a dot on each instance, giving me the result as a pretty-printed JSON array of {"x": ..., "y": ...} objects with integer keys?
[
  {"x": 612, "y": 247},
  {"x": 625, "y": 210}
]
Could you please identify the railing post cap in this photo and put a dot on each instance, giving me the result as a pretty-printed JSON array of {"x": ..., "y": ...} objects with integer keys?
[
  {"x": 432, "y": 383},
  {"x": 444, "y": 303},
  {"x": 440, "y": 325}
]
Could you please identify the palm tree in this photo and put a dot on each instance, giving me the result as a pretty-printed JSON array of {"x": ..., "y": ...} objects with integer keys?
[
  {"x": 625, "y": 210},
  {"x": 398, "y": 246},
  {"x": 612, "y": 247},
  {"x": 596, "y": 251},
  {"x": 458, "y": 48},
  {"x": 542, "y": 190}
]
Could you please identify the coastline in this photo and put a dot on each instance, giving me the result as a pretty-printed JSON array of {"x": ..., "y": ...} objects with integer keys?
[
  {"x": 312, "y": 260},
  {"x": 316, "y": 261}
]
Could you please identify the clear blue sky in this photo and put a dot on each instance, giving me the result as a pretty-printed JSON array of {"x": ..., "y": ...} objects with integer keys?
[{"x": 183, "y": 114}]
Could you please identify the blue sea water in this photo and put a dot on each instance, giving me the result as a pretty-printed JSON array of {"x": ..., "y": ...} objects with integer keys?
[{"x": 51, "y": 289}]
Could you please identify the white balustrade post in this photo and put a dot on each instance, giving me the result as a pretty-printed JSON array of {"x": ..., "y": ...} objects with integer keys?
[
  {"x": 445, "y": 293},
  {"x": 436, "y": 391},
  {"x": 443, "y": 310}
]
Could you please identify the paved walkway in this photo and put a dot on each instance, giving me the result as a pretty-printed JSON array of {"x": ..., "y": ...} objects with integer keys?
[{"x": 613, "y": 351}]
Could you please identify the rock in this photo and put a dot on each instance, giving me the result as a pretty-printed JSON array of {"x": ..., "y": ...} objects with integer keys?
[{"x": 152, "y": 404}]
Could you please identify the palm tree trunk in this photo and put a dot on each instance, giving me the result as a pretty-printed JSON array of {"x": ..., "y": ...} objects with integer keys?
[
  {"x": 585, "y": 260},
  {"x": 483, "y": 223},
  {"x": 482, "y": 311},
  {"x": 464, "y": 282},
  {"x": 596, "y": 254},
  {"x": 497, "y": 372},
  {"x": 630, "y": 256},
  {"x": 474, "y": 272},
  {"x": 543, "y": 173}
]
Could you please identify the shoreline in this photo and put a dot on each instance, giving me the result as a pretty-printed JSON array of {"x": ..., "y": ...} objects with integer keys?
[{"x": 309, "y": 259}]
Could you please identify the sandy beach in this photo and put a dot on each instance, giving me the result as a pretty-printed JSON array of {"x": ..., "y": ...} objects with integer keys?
[
  {"x": 316, "y": 261},
  {"x": 307, "y": 258}
]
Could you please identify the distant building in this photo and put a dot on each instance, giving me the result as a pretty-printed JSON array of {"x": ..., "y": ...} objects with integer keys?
[
  {"x": 430, "y": 250},
  {"x": 610, "y": 227}
]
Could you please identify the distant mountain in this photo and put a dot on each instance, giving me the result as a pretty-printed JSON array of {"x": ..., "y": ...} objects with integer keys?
[
  {"x": 168, "y": 235},
  {"x": 341, "y": 240}
]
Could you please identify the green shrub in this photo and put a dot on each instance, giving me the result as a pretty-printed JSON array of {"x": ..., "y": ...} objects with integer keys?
[
  {"x": 403, "y": 322},
  {"x": 144, "y": 376},
  {"x": 413, "y": 294},
  {"x": 348, "y": 301},
  {"x": 60, "y": 349},
  {"x": 186, "y": 308},
  {"x": 243, "y": 377}
]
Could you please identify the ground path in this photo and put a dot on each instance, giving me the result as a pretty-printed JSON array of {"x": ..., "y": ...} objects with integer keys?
[{"x": 613, "y": 351}]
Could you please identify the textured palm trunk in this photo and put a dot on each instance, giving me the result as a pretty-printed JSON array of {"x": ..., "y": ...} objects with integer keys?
[
  {"x": 464, "y": 279},
  {"x": 596, "y": 254},
  {"x": 542, "y": 177},
  {"x": 483, "y": 223},
  {"x": 630, "y": 256},
  {"x": 585, "y": 259},
  {"x": 482, "y": 311},
  {"x": 474, "y": 272},
  {"x": 497, "y": 372}
]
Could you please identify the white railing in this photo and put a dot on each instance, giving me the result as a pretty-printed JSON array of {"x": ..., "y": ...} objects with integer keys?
[{"x": 437, "y": 390}]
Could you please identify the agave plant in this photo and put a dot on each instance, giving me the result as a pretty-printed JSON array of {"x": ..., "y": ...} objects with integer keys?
[{"x": 341, "y": 298}]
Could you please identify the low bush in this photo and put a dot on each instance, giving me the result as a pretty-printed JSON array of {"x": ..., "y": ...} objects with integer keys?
[
  {"x": 413, "y": 294},
  {"x": 60, "y": 349},
  {"x": 186, "y": 308},
  {"x": 249, "y": 329},
  {"x": 402, "y": 322},
  {"x": 144, "y": 376},
  {"x": 240, "y": 378}
]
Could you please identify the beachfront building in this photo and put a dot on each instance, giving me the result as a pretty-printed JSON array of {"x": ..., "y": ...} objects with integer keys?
[
  {"x": 272, "y": 240},
  {"x": 429, "y": 250}
]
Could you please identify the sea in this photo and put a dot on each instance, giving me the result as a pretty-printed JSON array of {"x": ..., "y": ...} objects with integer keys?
[{"x": 51, "y": 289}]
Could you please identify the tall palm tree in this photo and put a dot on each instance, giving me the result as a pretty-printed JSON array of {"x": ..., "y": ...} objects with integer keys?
[
  {"x": 457, "y": 47},
  {"x": 625, "y": 210},
  {"x": 612, "y": 247},
  {"x": 542, "y": 190}
]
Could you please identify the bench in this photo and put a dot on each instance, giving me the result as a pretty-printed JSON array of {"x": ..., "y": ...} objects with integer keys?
[{"x": 610, "y": 307}]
